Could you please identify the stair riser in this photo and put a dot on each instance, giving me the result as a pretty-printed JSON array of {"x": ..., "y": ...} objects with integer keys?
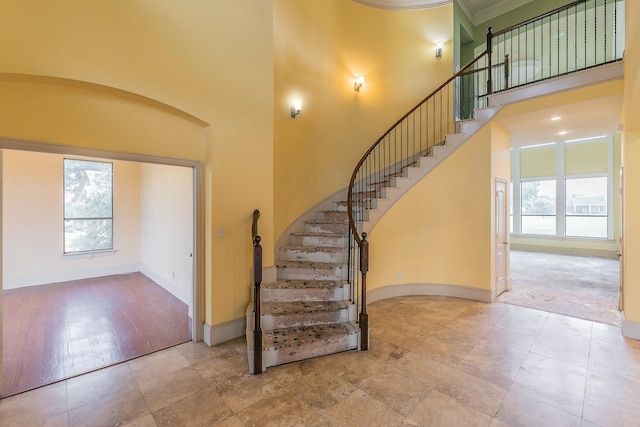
[
  {"x": 303, "y": 351},
  {"x": 304, "y": 319},
  {"x": 311, "y": 294},
  {"x": 340, "y": 206},
  {"x": 300, "y": 240},
  {"x": 293, "y": 273},
  {"x": 367, "y": 203},
  {"x": 327, "y": 227},
  {"x": 313, "y": 256},
  {"x": 333, "y": 216}
]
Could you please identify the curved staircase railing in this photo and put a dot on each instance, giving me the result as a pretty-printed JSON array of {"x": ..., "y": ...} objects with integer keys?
[
  {"x": 574, "y": 37},
  {"x": 413, "y": 136}
]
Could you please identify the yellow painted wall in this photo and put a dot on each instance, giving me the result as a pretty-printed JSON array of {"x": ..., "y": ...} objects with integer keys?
[
  {"x": 320, "y": 48},
  {"x": 189, "y": 79},
  {"x": 630, "y": 162},
  {"x": 440, "y": 232}
]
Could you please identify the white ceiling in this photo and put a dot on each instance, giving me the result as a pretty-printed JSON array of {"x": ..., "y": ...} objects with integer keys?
[
  {"x": 579, "y": 120},
  {"x": 480, "y": 11}
]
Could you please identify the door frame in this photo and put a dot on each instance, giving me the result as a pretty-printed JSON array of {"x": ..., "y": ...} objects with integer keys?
[
  {"x": 197, "y": 319},
  {"x": 505, "y": 243},
  {"x": 620, "y": 252}
]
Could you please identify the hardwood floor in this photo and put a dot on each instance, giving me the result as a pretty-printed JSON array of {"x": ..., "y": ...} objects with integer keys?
[{"x": 61, "y": 330}]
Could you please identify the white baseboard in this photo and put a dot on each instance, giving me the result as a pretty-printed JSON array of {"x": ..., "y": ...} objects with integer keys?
[
  {"x": 428, "y": 289},
  {"x": 66, "y": 276},
  {"x": 217, "y": 334},
  {"x": 168, "y": 285},
  {"x": 631, "y": 329}
]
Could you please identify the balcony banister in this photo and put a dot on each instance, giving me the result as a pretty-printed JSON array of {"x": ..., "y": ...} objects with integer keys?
[
  {"x": 460, "y": 72},
  {"x": 526, "y": 60}
]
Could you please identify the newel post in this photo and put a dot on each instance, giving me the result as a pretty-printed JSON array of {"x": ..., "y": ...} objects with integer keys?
[
  {"x": 506, "y": 71},
  {"x": 364, "y": 317},
  {"x": 257, "y": 330},
  {"x": 489, "y": 64}
]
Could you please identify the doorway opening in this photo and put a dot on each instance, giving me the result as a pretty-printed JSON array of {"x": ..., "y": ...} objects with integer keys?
[
  {"x": 95, "y": 302},
  {"x": 565, "y": 227},
  {"x": 577, "y": 286}
]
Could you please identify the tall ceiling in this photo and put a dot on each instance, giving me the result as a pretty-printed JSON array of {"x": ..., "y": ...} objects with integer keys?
[
  {"x": 478, "y": 11},
  {"x": 587, "y": 119}
]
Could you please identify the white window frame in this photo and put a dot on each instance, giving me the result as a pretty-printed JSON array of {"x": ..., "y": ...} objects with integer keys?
[
  {"x": 65, "y": 218},
  {"x": 560, "y": 178}
]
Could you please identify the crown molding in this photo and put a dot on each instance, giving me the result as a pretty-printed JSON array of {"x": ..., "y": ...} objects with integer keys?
[
  {"x": 403, "y": 4},
  {"x": 479, "y": 12}
]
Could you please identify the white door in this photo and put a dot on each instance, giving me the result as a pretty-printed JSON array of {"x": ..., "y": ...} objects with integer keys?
[
  {"x": 501, "y": 231},
  {"x": 621, "y": 295}
]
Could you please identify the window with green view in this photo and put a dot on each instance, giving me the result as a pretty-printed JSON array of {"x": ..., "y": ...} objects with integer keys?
[{"x": 88, "y": 205}]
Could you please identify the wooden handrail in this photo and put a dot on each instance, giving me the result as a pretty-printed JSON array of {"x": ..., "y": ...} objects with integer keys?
[
  {"x": 352, "y": 223},
  {"x": 254, "y": 225}
]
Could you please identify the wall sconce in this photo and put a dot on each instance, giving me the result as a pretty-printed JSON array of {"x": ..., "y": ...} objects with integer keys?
[
  {"x": 439, "y": 46},
  {"x": 297, "y": 107},
  {"x": 357, "y": 85}
]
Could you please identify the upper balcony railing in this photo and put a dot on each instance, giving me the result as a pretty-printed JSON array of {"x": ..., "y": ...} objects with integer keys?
[
  {"x": 577, "y": 36},
  {"x": 580, "y": 35}
]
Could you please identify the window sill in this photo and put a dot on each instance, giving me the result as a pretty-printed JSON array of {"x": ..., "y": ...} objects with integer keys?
[
  {"x": 563, "y": 238},
  {"x": 90, "y": 254}
]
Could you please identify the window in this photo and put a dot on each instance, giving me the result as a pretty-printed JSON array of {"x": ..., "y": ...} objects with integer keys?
[
  {"x": 511, "y": 197},
  {"x": 538, "y": 207},
  {"x": 565, "y": 189},
  {"x": 88, "y": 206},
  {"x": 586, "y": 207}
]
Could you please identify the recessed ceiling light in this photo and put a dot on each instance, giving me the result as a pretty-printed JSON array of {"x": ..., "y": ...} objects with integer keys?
[
  {"x": 544, "y": 144},
  {"x": 554, "y": 118},
  {"x": 589, "y": 138},
  {"x": 563, "y": 132}
]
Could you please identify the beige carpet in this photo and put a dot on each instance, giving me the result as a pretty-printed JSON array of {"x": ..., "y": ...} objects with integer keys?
[{"x": 583, "y": 287}]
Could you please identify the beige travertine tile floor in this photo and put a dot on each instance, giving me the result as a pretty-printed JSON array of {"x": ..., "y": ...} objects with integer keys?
[{"x": 434, "y": 361}]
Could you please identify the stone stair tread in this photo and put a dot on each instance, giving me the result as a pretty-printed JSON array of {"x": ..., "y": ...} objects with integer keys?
[
  {"x": 301, "y": 335},
  {"x": 302, "y": 284},
  {"x": 318, "y": 234},
  {"x": 301, "y": 307},
  {"x": 326, "y": 221},
  {"x": 306, "y": 248},
  {"x": 309, "y": 264},
  {"x": 331, "y": 211}
]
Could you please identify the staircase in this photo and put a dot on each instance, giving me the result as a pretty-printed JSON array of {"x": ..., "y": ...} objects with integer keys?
[{"x": 308, "y": 311}]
